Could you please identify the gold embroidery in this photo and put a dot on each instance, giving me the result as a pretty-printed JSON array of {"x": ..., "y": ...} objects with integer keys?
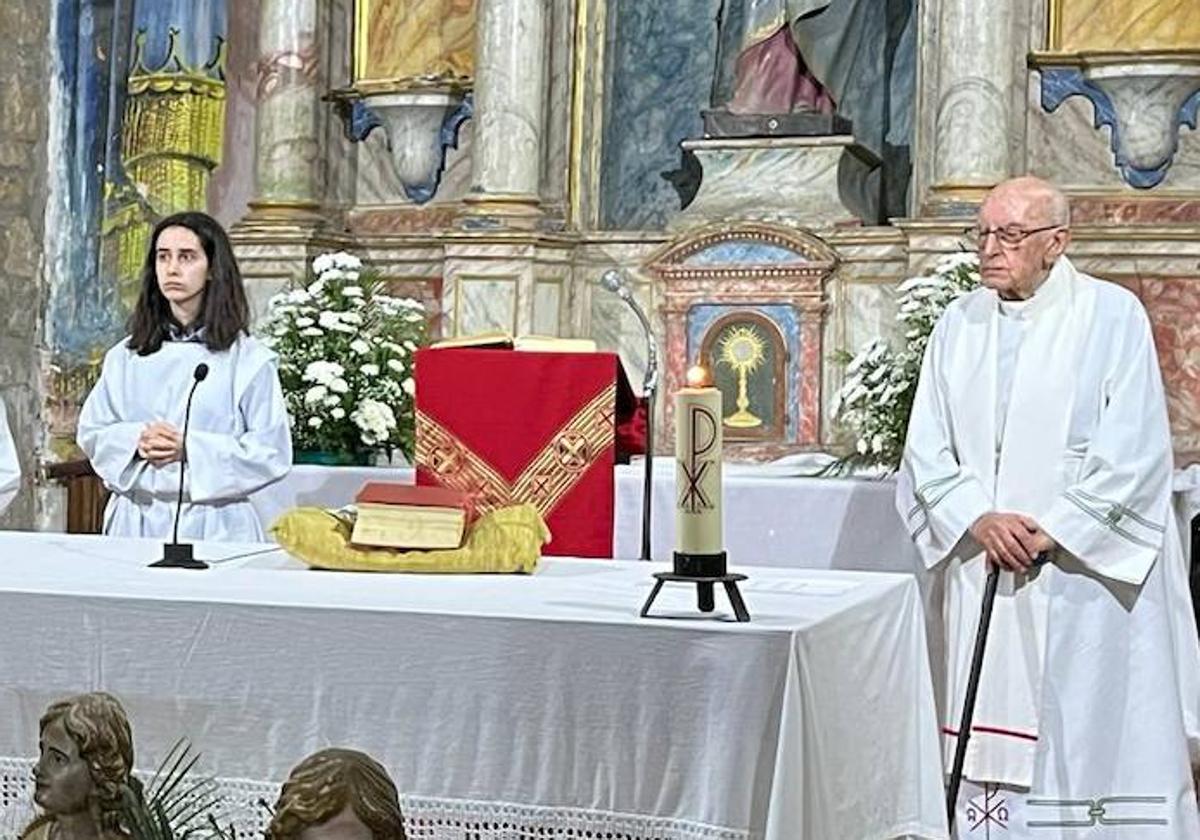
[{"x": 548, "y": 477}]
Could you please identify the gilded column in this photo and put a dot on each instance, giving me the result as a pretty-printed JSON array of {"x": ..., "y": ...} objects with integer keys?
[
  {"x": 510, "y": 75},
  {"x": 968, "y": 98},
  {"x": 289, "y": 164}
]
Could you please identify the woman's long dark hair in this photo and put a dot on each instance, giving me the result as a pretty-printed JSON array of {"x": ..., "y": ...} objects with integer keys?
[{"x": 224, "y": 313}]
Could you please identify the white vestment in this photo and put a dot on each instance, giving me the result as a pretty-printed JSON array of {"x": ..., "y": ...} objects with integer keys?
[
  {"x": 10, "y": 466},
  {"x": 237, "y": 441},
  {"x": 1091, "y": 683}
]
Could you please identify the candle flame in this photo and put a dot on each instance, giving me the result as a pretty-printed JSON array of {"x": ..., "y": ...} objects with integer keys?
[{"x": 698, "y": 377}]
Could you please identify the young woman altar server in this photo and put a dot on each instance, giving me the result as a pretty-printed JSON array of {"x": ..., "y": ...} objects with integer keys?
[{"x": 192, "y": 310}]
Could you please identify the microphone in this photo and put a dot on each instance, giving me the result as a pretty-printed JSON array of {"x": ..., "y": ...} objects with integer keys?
[
  {"x": 614, "y": 281},
  {"x": 177, "y": 555}
]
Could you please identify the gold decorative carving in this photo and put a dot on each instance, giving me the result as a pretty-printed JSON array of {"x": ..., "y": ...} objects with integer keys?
[{"x": 172, "y": 136}]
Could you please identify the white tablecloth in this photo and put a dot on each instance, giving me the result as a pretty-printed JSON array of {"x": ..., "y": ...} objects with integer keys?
[
  {"x": 513, "y": 707},
  {"x": 772, "y": 518}
]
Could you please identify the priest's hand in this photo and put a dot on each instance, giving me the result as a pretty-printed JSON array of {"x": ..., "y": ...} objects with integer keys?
[
  {"x": 160, "y": 443},
  {"x": 1011, "y": 540}
]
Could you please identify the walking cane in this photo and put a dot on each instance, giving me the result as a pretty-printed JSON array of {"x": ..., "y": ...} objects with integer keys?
[{"x": 964, "y": 728}]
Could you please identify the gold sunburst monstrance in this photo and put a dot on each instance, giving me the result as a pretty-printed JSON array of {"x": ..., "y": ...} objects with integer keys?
[{"x": 744, "y": 351}]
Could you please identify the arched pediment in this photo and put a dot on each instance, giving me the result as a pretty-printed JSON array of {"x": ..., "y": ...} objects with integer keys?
[{"x": 749, "y": 248}]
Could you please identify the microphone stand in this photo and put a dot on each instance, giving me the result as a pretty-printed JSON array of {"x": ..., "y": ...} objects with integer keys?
[
  {"x": 649, "y": 391},
  {"x": 614, "y": 282},
  {"x": 177, "y": 555}
]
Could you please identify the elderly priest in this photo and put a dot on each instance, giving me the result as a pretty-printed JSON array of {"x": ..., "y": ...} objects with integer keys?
[{"x": 1039, "y": 425}]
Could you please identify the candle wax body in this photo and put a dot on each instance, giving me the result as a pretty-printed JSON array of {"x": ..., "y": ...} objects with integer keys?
[{"x": 698, "y": 442}]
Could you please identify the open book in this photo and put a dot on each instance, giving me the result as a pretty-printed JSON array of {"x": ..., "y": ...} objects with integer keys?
[{"x": 528, "y": 343}]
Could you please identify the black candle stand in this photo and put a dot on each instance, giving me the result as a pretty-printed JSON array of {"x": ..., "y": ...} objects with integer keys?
[{"x": 705, "y": 571}]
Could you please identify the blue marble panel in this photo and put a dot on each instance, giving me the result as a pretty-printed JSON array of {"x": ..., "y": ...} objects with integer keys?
[
  {"x": 702, "y": 316},
  {"x": 91, "y": 54},
  {"x": 743, "y": 251},
  {"x": 661, "y": 59}
]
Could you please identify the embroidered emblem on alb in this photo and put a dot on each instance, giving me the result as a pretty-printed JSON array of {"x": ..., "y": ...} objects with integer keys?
[{"x": 986, "y": 813}]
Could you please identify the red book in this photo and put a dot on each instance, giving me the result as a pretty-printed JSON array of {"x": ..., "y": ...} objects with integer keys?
[{"x": 394, "y": 493}]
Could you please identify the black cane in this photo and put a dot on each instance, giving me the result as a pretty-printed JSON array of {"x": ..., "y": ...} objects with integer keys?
[{"x": 968, "y": 713}]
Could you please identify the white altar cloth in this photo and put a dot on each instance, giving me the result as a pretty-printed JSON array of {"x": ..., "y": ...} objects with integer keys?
[
  {"x": 772, "y": 517},
  {"x": 770, "y": 520},
  {"x": 503, "y": 706}
]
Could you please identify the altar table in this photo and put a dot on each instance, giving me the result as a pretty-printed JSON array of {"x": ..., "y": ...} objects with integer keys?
[
  {"x": 514, "y": 707},
  {"x": 773, "y": 517}
]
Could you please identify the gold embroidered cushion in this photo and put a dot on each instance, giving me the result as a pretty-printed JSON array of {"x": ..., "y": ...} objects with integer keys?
[{"x": 507, "y": 539}]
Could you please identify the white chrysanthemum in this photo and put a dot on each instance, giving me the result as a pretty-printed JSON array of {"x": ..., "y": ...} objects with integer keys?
[
  {"x": 395, "y": 365},
  {"x": 316, "y": 287},
  {"x": 360, "y": 347},
  {"x": 312, "y": 332},
  {"x": 329, "y": 320},
  {"x": 370, "y": 370},
  {"x": 304, "y": 322},
  {"x": 353, "y": 291},
  {"x": 315, "y": 394},
  {"x": 314, "y": 422},
  {"x": 322, "y": 263},
  {"x": 338, "y": 413},
  {"x": 345, "y": 260},
  {"x": 409, "y": 386},
  {"x": 323, "y": 372},
  {"x": 339, "y": 386}
]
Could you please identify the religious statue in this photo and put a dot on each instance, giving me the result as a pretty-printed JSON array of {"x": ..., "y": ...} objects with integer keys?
[
  {"x": 85, "y": 759},
  {"x": 337, "y": 794},
  {"x": 812, "y": 67}
]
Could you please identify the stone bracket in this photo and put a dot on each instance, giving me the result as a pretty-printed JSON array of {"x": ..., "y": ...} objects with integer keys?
[
  {"x": 419, "y": 170},
  {"x": 1143, "y": 102}
]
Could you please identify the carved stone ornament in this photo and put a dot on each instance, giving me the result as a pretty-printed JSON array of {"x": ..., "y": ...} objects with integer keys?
[{"x": 1142, "y": 97}]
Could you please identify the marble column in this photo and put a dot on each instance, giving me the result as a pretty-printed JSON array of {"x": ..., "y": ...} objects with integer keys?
[
  {"x": 970, "y": 93},
  {"x": 510, "y": 74},
  {"x": 289, "y": 167}
]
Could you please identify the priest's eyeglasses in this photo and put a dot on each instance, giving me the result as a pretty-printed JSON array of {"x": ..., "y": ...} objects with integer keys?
[{"x": 1010, "y": 236}]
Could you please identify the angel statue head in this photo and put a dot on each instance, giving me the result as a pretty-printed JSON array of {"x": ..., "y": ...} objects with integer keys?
[
  {"x": 337, "y": 794},
  {"x": 85, "y": 757}
]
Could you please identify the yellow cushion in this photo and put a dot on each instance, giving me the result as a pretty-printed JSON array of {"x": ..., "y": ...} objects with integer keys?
[{"x": 508, "y": 539}]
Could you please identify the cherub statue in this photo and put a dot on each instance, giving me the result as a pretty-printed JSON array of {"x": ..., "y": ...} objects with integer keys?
[
  {"x": 337, "y": 794},
  {"x": 85, "y": 758}
]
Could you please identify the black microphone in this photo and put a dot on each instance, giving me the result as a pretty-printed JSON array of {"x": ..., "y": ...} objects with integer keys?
[{"x": 177, "y": 555}]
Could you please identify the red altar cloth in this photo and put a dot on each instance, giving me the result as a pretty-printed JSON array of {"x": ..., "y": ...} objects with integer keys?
[{"x": 506, "y": 426}]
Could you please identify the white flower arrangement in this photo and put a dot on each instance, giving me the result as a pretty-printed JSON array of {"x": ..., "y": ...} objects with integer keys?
[
  {"x": 346, "y": 359},
  {"x": 876, "y": 399}
]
